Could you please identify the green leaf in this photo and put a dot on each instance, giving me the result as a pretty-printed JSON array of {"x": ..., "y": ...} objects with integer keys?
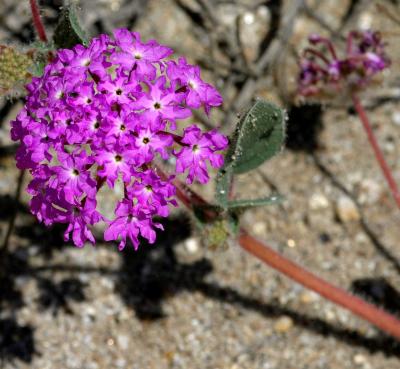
[
  {"x": 68, "y": 32},
  {"x": 223, "y": 185},
  {"x": 244, "y": 204},
  {"x": 259, "y": 135}
]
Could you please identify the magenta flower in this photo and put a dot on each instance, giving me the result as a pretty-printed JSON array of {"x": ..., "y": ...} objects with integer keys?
[
  {"x": 200, "y": 148},
  {"x": 114, "y": 160},
  {"x": 78, "y": 217},
  {"x": 162, "y": 103},
  {"x": 150, "y": 191},
  {"x": 131, "y": 222},
  {"x": 104, "y": 113},
  {"x": 73, "y": 176},
  {"x": 197, "y": 91},
  {"x": 140, "y": 57}
]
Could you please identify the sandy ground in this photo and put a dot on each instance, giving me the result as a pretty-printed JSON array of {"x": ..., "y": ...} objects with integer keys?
[{"x": 178, "y": 304}]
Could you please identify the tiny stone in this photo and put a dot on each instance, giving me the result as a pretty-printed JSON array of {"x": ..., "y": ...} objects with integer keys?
[
  {"x": 370, "y": 191},
  {"x": 396, "y": 118},
  {"x": 330, "y": 315},
  {"x": 308, "y": 297},
  {"x": 291, "y": 243},
  {"x": 361, "y": 238},
  {"x": 260, "y": 228},
  {"x": 359, "y": 359},
  {"x": 318, "y": 201},
  {"x": 192, "y": 245},
  {"x": 283, "y": 324},
  {"x": 365, "y": 21},
  {"x": 346, "y": 210},
  {"x": 123, "y": 342}
]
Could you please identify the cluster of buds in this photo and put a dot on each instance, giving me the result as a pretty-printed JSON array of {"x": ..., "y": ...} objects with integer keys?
[
  {"x": 13, "y": 69},
  {"x": 324, "y": 71},
  {"x": 104, "y": 113}
]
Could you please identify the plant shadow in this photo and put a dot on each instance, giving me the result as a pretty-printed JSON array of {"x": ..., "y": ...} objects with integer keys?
[
  {"x": 303, "y": 127},
  {"x": 147, "y": 278},
  {"x": 153, "y": 274},
  {"x": 379, "y": 291}
]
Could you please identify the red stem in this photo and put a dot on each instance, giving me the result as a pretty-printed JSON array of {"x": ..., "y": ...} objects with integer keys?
[
  {"x": 359, "y": 307},
  {"x": 37, "y": 21},
  {"x": 316, "y": 53},
  {"x": 378, "y": 153},
  {"x": 386, "y": 322}
]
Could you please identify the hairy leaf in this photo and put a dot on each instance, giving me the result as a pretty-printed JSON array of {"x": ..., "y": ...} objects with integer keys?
[
  {"x": 259, "y": 135},
  {"x": 223, "y": 185},
  {"x": 68, "y": 32}
]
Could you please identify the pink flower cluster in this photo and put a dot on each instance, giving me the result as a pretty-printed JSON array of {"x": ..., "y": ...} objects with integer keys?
[
  {"x": 103, "y": 113},
  {"x": 364, "y": 58}
]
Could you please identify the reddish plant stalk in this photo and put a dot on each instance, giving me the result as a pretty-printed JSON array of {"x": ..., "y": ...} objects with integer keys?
[
  {"x": 376, "y": 316},
  {"x": 37, "y": 21},
  {"x": 386, "y": 322},
  {"x": 377, "y": 151}
]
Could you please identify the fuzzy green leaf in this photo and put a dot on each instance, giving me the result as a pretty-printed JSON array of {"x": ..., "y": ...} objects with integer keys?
[
  {"x": 68, "y": 32},
  {"x": 259, "y": 136},
  {"x": 223, "y": 185}
]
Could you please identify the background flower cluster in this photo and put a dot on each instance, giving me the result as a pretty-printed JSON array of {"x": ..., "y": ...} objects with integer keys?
[{"x": 322, "y": 68}]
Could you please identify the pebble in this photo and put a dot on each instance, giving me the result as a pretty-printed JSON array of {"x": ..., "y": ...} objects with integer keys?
[
  {"x": 359, "y": 359},
  {"x": 318, "y": 201},
  {"x": 396, "y": 118},
  {"x": 308, "y": 297},
  {"x": 330, "y": 315},
  {"x": 365, "y": 21},
  {"x": 283, "y": 324},
  {"x": 192, "y": 245},
  {"x": 346, "y": 210},
  {"x": 123, "y": 341},
  {"x": 370, "y": 191},
  {"x": 260, "y": 228}
]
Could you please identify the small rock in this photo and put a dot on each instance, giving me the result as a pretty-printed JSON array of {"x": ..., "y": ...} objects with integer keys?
[
  {"x": 291, "y": 243},
  {"x": 260, "y": 228},
  {"x": 346, "y": 210},
  {"x": 361, "y": 238},
  {"x": 283, "y": 324},
  {"x": 330, "y": 315},
  {"x": 396, "y": 118},
  {"x": 365, "y": 21},
  {"x": 318, "y": 201},
  {"x": 370, "y": 191},
  {"x": 123, "y": 341},
  {"x": 192, "y": 245},
  {"x": 308, "y": 297},
  {"x": 359, "y": 359}
]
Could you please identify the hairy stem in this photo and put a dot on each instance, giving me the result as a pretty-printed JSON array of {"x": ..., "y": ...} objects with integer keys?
[
  {"x": 37, "y": 21},
  {"x": 377, "y": 151},
  {"x": 384, "y": 321}
]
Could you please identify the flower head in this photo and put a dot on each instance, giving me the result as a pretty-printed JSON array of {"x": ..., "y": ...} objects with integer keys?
[
  {"x": 102, "y": 114},
  {"x": 325, "y": 71}
]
